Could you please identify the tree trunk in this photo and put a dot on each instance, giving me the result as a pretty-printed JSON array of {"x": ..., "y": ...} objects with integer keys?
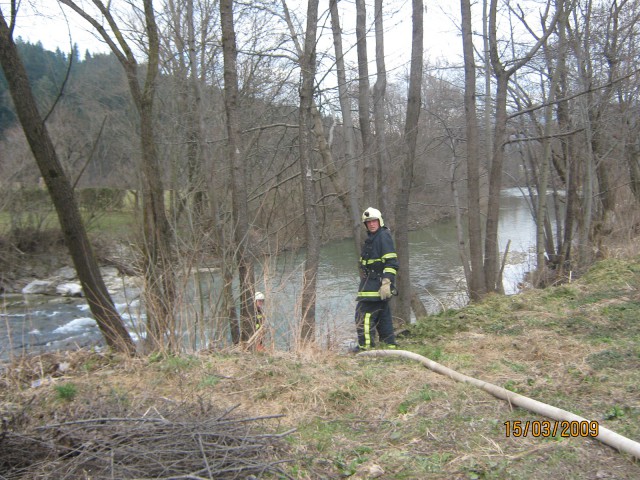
[
  {"x": 238, "y": 172},
  {"x": 632, "y": 157},
  {"x": 491, "y": 248},
  {"x": 160, "y": 288},
  {"x": 369, "y": 189},
  {"x": 488, "y": 95},
  {"x": 61, "y": 192},
  {"x": 346, "y": 195},
  {"x": 417, "y": 306},
  {"x": 379, "y": 94},
  {"x": 196, "y": 186},
  {"x": 414, "y": 102},
  {"x": 475, "y": 281},
  {"x": 462, "y": 247},
  {"x": 348, "y": 132},
  {"x": 312, "y": 258},
  {"x": 568, "y": 169},
  {"x": 542, "y": 215}
]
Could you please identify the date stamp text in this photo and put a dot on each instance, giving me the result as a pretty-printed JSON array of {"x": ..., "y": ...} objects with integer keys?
[{"x": 551, "y": 428}]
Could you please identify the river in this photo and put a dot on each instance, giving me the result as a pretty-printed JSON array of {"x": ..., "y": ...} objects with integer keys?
[{"x": 40, "y": 323}]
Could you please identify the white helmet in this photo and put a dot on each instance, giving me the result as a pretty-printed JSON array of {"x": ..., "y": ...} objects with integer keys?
[
  {"x": 372, "y": 214},
  {"x": 259, "y": 296}
]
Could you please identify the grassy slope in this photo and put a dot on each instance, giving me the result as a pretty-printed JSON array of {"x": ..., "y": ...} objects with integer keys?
[{"x": 575, "y": 346}]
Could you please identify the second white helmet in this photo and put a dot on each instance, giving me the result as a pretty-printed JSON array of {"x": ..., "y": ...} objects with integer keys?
[
  {"x": 259, "y": 296},
  {"x": 372, "y": 214}
]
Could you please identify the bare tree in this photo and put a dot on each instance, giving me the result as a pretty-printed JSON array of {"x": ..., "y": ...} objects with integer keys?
[
  {"x": 379, "y": 96},
  {"x": 475, "y": 281},
  {"x": 544, "y": 235},
  {"x": 61, "y": 192},
  {"x": 312, "y": 258},
  {"x": 348, "y": 129},
  {"x": 414, "y": 102},
  {"x": 158, "y": 263},
  {"x": 369, "y": 189},
  {"x": 238, "y": 169},
  {"x": 502, "y": 71}
]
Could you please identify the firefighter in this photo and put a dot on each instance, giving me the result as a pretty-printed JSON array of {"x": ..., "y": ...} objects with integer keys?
[
  {"x": 259, "y": 310},
  {"x": 378, "y": 269}
]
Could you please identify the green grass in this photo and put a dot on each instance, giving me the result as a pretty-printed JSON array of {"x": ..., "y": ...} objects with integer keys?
[
  {"x": 114, "y": 223},
  {"x": 424, "y": 395},
  {"x": 111, "y": 223},
  {"x": 66, "y": 391},
  {"x": 173, "y": 363},
  {"x": 209, "y": 381}
]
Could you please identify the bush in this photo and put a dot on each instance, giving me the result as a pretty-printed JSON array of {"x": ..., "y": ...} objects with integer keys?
[
  {"x": 101, "y": 199},
  {"x": 34, "y": 240}
]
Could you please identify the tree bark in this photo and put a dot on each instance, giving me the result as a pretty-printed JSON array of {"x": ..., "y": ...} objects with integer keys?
[
  {"x": 196, "y": 186},
  {"x": 61, "y": 192},
  {"x": 632, "y": 157},
  {"x": 568, "y": 170}
]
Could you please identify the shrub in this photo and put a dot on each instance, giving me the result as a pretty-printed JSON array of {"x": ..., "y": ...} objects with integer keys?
[{"x": 101, "y": 199}]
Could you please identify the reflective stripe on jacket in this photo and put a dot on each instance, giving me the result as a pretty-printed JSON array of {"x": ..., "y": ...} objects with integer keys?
[{"x": 378, "y": 260}]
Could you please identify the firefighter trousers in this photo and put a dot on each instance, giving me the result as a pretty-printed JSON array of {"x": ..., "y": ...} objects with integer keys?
[{"x": 371, "y": 317}]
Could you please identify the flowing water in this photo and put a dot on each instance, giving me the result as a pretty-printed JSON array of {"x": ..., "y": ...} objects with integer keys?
[{"x": 37, "y": 323}]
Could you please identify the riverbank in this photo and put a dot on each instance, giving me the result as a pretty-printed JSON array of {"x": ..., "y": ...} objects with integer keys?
[
  {"x": 574, "y": 346},
  {"x": 40, "y": 254}
]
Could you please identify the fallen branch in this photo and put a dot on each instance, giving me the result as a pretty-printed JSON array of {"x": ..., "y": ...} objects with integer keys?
[{"x": 606, "y": 436}]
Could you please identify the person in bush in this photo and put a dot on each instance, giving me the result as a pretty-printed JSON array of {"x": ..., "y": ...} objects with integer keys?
[{"x": 259, "y": 309}]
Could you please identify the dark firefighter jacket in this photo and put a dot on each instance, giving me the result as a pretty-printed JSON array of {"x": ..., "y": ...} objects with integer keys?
[{"x": 378, "y": 260}]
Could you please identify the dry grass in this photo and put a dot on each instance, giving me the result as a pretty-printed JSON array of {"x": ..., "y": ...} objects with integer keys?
[{"x": 573, "y": 346}]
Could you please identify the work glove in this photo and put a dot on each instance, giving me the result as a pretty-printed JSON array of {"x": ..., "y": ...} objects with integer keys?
[{"x": 385, "y": 289}]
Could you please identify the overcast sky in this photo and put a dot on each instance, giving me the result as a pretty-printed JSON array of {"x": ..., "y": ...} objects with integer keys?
[
  {"x": 49, "y": 26},
  {"x": 53, "y": 25}
]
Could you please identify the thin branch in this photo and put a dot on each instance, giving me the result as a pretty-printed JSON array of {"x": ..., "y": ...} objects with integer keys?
[
  {"x": 543, "y": 137},
  {"x": 90, "y": 157},
  {"x": 575, "y": 95}
]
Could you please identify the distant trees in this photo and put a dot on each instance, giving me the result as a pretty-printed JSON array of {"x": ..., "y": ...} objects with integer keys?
[
  {"x": 92, "y": 119},
  {"x": 45, "y": 71}
]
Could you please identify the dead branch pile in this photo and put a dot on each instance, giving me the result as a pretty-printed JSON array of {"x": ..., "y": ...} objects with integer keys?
[{"x": 144, "y": 447}]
